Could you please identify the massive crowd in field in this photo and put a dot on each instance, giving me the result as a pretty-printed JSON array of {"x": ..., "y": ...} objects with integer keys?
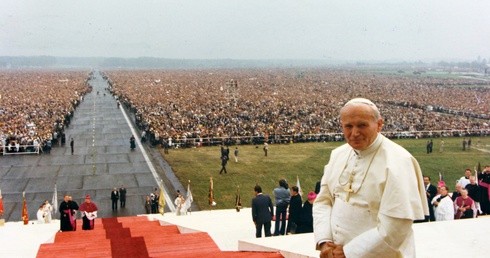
[
  {"x": 35, "y": 106},
  {"x": 294, "y": 103},
  {"x": 266, "y": 103}
]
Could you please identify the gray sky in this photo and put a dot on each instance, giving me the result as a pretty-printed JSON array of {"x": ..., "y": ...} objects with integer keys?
[{"x": 372, "y": 30}]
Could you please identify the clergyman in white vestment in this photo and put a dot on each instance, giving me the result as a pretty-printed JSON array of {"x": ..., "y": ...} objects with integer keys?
[{"x": 371, "y": 191}]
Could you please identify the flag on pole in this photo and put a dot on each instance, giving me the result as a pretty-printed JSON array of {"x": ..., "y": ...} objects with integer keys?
[
  {"x": 54, "y": 200},
  {"x": 189, "y": 199},
  {"x": 476, "y": 176},
  {"x": 161, "y": 200},
  {"x": 1, "y": 204},
  {"x": 211, "y": 193},
  {"x": 238, "y": 201},
  {"x": 299, "y": 186},
  {"x": 478, "y": 170},
  {"x": 25, "y": 214}
]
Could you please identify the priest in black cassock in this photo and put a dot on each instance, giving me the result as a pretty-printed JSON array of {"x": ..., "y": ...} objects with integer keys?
[{"x": 68, "y": 209}]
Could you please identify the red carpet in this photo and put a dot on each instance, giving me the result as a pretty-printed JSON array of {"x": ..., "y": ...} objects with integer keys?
[{"x": 136, "y": 237}]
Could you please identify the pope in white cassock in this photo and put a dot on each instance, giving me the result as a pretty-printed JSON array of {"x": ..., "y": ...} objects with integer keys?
[{"x": 371, "y": 191}]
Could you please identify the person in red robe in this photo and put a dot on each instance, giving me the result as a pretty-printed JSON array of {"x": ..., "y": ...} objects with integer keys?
[
  {"x": 89, "y": 213},
  {"x": 464, "y": 206}
]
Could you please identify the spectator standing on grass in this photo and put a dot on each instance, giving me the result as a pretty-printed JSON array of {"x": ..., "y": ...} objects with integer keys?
[
  {"x": 224, "y": 161},
  {"x": 235, "y": 153},
  {"x": 266, "y": 148}
]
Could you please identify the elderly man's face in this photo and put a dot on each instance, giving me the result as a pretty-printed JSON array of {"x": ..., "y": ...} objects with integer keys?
[{"x": 359, "y": 126}]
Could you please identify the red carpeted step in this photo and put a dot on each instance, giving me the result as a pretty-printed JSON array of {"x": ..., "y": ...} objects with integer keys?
[
  {"x": 91, "y": 235},
  {"x": 134, "y": 219},
  {"x": 161, "y": 231},
  {"x": 129, "y": 247},
  {"x": 141, "y": 223},
  {"x": 75, "y": 249},
  {"x": 182, "y": 244},
  {"x": 137, "y": 237},
  {"x": 101, "y": 249}
]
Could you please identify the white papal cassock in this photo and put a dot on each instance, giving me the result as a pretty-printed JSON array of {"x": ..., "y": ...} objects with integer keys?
[{"x": 388, "y": 194}]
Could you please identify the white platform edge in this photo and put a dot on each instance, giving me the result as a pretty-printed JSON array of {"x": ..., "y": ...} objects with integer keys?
[{"x": 235, "y": 231}]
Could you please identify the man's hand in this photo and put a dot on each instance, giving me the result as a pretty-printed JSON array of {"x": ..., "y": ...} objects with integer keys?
[{"x": 331, "y": 250}]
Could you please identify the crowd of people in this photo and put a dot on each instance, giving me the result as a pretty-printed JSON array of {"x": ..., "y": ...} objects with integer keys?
[
  {"x": 290, "y": 216},
  {"x": 468, "y": 200},
  {"x": 201, "y": 107},
  {"x": 36, "y": 106},
  {"x": 287, "y": 105}
]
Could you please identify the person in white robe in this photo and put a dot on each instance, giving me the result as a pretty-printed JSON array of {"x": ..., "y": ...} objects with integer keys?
[
  {"x": 41, "y": 214},
  {"x": 180, "y": 208},
  {"x": 463, "y": 181},
  {"x": 371, "y": 191},
  {"x": 48, "y": 209},
  {"x": 443, "y": 205}
]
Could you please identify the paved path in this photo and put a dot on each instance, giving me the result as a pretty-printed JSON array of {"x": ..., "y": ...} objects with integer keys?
[{"x": 102, "y": 160}]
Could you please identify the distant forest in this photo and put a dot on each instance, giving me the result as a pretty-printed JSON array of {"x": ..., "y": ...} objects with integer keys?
[{"x": 166, "y": 63}]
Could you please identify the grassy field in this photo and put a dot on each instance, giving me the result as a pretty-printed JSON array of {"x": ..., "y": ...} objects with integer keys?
[{"x": 305, "y": 160}]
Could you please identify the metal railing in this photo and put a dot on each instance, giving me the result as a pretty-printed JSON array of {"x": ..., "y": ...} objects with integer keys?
[{"x": 20, "y": 149}]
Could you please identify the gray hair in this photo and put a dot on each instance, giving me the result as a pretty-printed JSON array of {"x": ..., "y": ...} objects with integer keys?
[{"x": 363, "y": 101}]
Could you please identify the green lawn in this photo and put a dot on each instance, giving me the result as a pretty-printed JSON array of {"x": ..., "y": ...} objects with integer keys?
[{"x": 305, "y": 160}]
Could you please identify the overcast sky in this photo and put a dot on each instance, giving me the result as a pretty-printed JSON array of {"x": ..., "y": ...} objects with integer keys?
[{"x": 363, "y": 30}]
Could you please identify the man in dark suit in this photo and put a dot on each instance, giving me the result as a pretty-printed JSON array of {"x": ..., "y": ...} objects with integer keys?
[
  {"x": 431, "y": 191},
  {"x": 122, "y": 196},
  {"x": 72, "y": 143},
  {"x": 114, "y": 198},
  {"x": 262, "y": 212}
]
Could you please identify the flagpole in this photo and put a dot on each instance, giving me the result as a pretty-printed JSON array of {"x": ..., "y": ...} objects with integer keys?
[
  {"x": 189, "y": 198},
  {"x": 238, "y": 202},
  {"x": 2, "y": 220},
  {"x": 54, "y": 200},
  {"x": 161, "y": 199},
  {"x": 25, "y": 214},
  {"x": 211, "y": 192}
]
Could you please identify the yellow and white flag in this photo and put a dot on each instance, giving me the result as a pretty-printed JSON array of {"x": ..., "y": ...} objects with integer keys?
[{"x": 161, "y": 200}]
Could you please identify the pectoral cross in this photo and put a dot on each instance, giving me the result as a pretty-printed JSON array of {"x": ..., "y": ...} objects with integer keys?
[{"x": 348, "y": 187}]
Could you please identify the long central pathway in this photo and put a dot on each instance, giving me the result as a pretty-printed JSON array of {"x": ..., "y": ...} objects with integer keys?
[{"x": 102, "y": 160}]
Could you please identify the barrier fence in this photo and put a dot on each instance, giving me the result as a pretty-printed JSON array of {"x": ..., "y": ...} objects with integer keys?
[
  {"x": 186, "y": 142},
  {"x": 20, "y": 149}
]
